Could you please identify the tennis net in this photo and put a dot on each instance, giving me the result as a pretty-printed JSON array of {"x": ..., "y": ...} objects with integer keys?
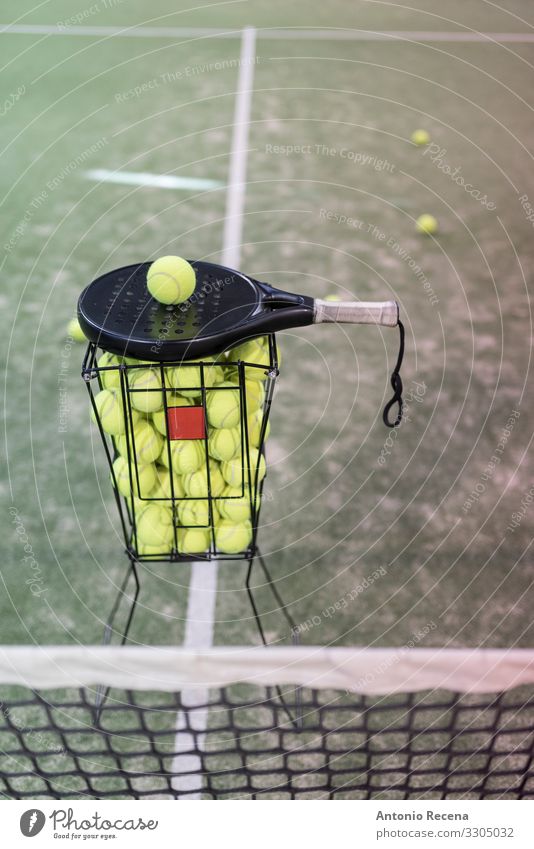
[{"x": 266, "y": 723}]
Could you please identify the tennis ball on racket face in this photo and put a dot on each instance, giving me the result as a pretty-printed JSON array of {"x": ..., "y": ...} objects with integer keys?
[
  {"x": 108, "y": 403},
  {"x": 187, "y": 455},
  {"x": 254, "y": 423},
  {"x": 196, "y": 483},
  {"x": 145, "y": 444},
  {"x": 222, "y": 405},
  {"x": 145, "y": 474},
  {"x": 232, "y": 537},
  {"x": 224, "y": 443},
  {"x": 165, "y": 486},
  {"x": 158, "y": 418},
  {"x": 154, "y": 525},
  {"x": 420, "y": 137},
  {"x": 427, "y": 224},
  {"x": 171, "y": 280},
  {"x": 234, "y": 505},
  {"x": 235, "y": 472},
  {"x": 75, "y": 331},
  {"x": 193, "y": 540},
  {"x": 147, "y": 397}
]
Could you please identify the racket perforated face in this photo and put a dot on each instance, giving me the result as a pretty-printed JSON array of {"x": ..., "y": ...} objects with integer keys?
[{"x": 118, "y": 313}]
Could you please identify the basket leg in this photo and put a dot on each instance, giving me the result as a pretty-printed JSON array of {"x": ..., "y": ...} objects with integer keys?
[
  {"x": 109, "y": 630},
  {"x": 296, "y": 719}
]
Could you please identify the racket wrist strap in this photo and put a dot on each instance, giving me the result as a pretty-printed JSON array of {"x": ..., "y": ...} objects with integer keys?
[{"x": 396, "y": 385}]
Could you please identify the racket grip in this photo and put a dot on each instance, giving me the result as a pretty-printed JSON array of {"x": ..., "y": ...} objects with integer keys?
[{"x": 357, "y": 312}]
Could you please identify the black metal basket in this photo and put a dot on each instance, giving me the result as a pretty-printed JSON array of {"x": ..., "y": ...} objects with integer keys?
[{"x": 162, "y": 450}]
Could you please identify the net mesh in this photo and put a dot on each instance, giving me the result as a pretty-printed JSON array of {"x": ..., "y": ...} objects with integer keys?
[{"x": 245, "y": 741}]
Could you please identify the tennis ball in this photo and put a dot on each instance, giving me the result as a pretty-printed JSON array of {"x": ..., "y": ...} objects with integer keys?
[
  {"x": 196, "y": 513},
  {"x": 224, "y": 443},
  {"x": 108, "y": 403},
  {"x": 235, "y": 472},
  {"x": 254, "y": 391},
  {"x": 254, "y": 423},
  {"x": 427, "y": 224},
  {"x": 420, "y": 137},
  {"x": 153, "y": 550},
  {"x": 75, "y": 331},
  {"x": 196, "y": 483},
  {"x": 163, "y": 488},
  {"x": 193, "y": 540},
  {"x": 146, "y": 475},
  {"x": 145, "y": 444},
  {"x": 154, "y": 525},
  {"x": 110, "y": 379},
  {"x": 234, "y": 505},
  {"x": 333, "y": 298},
  {"x": 147, "y": 397},
  {"x": 158, "y": 418},
  {"x": 232, "y": 537},
  {"x": 171, "y": 280},
  {"x": 222, "y": 405},
  {"x": 254, "y": 351},
  {"x": 187, "y": 378},
  {"x": 187, "y": 455}
]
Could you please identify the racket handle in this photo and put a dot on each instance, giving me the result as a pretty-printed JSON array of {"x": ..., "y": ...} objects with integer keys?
[{"x": 357, "y": 312}]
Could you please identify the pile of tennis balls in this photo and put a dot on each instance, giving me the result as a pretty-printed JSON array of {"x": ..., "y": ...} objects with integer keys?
[{"x": 164, "y": 468}]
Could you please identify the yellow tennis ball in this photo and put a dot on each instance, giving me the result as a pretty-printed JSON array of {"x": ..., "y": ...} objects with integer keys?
[
  {"x": 145, "y": 443},
  {"x": 234, "y": 505},
  {"x": 188, "y": 379},
  {"x": 232, "y": 537},
  {"x": 165, "y": 486},
  {"x": 171, "y": 280},
  {"x": 196, "y": 513},
  {"x": 187, "y": 455},
  {"x": 224, "y": 443},
  {"x": 156, "y": 551},
  {"x": 158, "y": 417},
  {"x": 254, "y": 423},
  {"x": 196, "y": 483},
  {"x": 254, "y": 351},
  {"x": 154, "y": 525},
  {"x": 75, "y": 331},
  {"x": 427, "y": 224},
  {"x": 110, "y": 375},
  {"x": 235, "y": 472},
  {"x": 420, "y": 137},
  {"x": 193, "y": 540},
  {"x": 145, "y": 390},
  {"x": 108, "y": 403},
  {"x": 145, "y": 474},
  {"x": 223, "y": 406}
]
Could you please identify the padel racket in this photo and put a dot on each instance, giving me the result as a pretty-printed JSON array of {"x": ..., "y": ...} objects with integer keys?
[{"x": 118, "y": 313}]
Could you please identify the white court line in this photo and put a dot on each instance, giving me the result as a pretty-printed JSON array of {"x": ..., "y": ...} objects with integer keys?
[
  {"x": 203, "y": 584},
  {"x": 144, "y": 178},
  {"x": 271, "y": 33},
  {"x": 235, "y": 201}
]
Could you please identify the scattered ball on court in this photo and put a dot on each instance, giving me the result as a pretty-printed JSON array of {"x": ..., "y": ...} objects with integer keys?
[
  {"x": 427, "y": 224},
  {"x": 420, "y": 137}
]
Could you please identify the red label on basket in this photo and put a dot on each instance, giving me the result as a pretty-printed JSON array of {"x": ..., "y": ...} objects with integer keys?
[{"x": 186, "y": 423}]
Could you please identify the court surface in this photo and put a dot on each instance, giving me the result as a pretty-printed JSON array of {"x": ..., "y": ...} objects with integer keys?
[{"x": 373, "y": 537}]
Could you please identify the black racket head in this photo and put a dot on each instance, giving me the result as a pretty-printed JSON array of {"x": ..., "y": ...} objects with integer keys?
[{"x": 118, "y": 313}]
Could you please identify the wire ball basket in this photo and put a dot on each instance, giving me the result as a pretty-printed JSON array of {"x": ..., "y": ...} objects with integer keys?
[{"x": 185, "y": 443}]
